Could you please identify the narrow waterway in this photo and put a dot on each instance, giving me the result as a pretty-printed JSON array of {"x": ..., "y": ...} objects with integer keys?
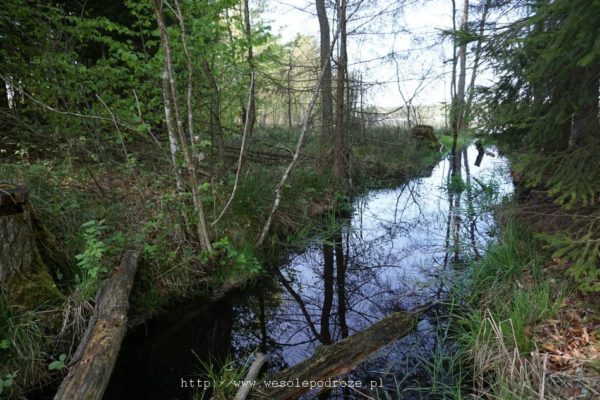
[{"x": 403, "y": 247}]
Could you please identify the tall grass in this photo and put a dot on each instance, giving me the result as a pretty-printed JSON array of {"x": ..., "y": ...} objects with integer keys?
[
  {"x": 487, "y": 351},
  {"x": 509, "y": 297},
  {"x": 222, "y": 377},
  {"x": 23, "y": 350}
]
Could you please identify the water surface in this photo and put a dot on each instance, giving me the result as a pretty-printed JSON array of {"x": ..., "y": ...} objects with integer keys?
[{"x": 402, "y": 247}]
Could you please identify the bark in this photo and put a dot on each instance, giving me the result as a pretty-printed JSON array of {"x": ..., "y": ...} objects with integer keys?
[
  {"x": 172, "y": 102},
  {"x": 462, "y": 74},
  {"x": 97, "y": 353},
  {"x": 173, "y": 147},
  {"x": 3, "y": 96},
  {"x": 250, "y": 114},
  {"x": 458, "y": 99},
  {"x": 25, "y": 279},
  {"x": 339, "y": 358},
  {"x": 289, "y": 92},
  {"x": 471, "y": 90},
  {"x": 253, "y": 372},
  {"x": 326, "y": 85},
  {"x": 339, "y": 146},
  {"x": 453, "y": 105}
]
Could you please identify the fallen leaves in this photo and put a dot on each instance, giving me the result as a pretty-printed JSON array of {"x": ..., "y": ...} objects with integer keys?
[{"x": 571, "y": 342}]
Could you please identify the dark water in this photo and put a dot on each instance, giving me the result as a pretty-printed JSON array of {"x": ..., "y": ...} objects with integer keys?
[{"x": 401, "y": 248}]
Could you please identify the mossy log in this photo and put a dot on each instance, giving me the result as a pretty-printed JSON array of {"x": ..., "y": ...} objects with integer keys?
[
  {"x": 97, "y": 352},
  {"x": 24, "y": 276},
  {"x": 338, "y": 358}
]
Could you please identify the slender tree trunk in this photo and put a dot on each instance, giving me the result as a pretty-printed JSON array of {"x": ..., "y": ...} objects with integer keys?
[
  {"x": 471, "y": 89},
  {"x": 327, "y": 292},
  {"x": 326, "y": 82},
  {"x": 458, "y": 98},
  {"x": 462, "y": 74},
  {"x": 292, "y": 164},
  {"x": 250, "y": 59},
  {"x": 362, "y": 108},
  {"x": 171, "y": 102},
  {"x": 453, "y": 107},
  {"x": 173, "y": 147},
  {"x": 339, "y": 162},
  {"x": 289, "y": 92}
]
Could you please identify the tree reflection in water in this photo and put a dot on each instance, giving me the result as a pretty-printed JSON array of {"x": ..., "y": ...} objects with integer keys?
[{"x": 401, "y": 248}]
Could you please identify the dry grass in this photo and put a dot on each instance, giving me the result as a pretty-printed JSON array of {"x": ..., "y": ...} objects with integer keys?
[{"x": 502, "y": 371}]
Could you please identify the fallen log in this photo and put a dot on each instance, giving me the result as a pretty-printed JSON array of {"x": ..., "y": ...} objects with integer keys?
[
  {"x": 253, "y": 372},
  {"x": 93, "y": 362},
  {"x": 336, "y": 359}
]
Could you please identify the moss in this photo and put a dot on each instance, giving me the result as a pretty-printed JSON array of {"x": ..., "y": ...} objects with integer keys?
[
  {"x": 55, "y": 257},
  {"x": 35, "y": 291}
]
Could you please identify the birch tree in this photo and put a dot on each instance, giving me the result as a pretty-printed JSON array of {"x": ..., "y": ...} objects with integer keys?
[{"x": 175, "y": 125}]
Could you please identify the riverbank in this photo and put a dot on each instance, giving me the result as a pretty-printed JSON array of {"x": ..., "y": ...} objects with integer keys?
[
  {"x": 399, "y": 249},
  {"x": 98, "y": 209},
  {"x": 525, "y": 328}
]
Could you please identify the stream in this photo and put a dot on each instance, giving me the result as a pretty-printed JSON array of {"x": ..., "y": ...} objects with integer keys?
[{"x": 402, "y": 247}]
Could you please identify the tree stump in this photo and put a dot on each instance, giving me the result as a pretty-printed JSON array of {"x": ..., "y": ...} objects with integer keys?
[
  {"x": 24, "y": 277},
  {"x": 425, "y": 134}
]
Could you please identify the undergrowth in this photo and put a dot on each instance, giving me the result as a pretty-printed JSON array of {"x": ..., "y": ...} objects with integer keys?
[{"x": 489, "y": 347}]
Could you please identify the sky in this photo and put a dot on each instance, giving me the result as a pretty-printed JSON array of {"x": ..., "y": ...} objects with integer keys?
[{"x": 417, "y": 70}]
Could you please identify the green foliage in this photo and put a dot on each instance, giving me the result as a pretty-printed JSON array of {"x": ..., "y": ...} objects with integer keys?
[
  {"x": 463, "y": 140},
  {"x": 230, "y": 263},
  {"x": 456, "y": 184},
  {"x": 23, "y": 347},
  {"x": 583, "y": 251},
  {"x": 509, "y": 296},
  {"x": 94, "y": 248},
  {"x": 221, "y": 376},
  {"x": 6, "y": 382},
  {"x": 343, "y": 203},
  {"x": 58, "y": 364},
  {"x": 91, "y": 261},
  {"x": 386, "y": 156},
  {"x": 571, "y": 177},
  {"x": 545, "y": 103}
]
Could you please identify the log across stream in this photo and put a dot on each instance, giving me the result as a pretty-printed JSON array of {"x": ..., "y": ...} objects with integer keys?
[{"x": 402, "y": 248}]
